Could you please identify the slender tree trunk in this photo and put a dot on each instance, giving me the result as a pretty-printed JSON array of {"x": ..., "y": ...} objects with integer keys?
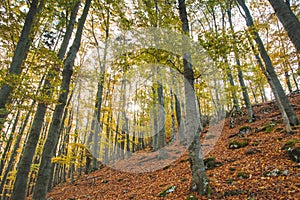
[
  {"x": 8, "y": 144},
  {"x": 200, "y": 181},
  {"x": 289, "y": 21},
  {"x": 281, "y": 97},
  {"x": 240, "y": 73},
  {"x": 43, "y": 178},
  {"x": 19, "y": 56},
  {"x": 270, "y": 81},
  {"x": 162, "y": 132}
]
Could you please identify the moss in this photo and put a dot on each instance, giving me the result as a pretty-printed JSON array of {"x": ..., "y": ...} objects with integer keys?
[
  {"x": 268, "y": 128},
  {"x": 236, "y": 144},
  {"x": 290, "y": 144}
]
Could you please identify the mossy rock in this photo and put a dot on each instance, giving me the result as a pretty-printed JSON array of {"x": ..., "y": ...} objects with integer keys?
[
  {"x": 256, "y": 143},
  {"x": 191, "y": 197},
  {"x": 236, "y": 144},
  {"x": 290, "y": 144},
  {"x": 295, "y": 154},
  {"x": 292, "y": 148},
  {"x": 244, "y": 130},
  {"x": 278, "y": 129},
  {"x": 229, "y": 181},
  {"x": 234, "y": 192},
  {"x": 252, "y": 151},
  {"x": 210, "y": 163},
  {"x": 167, "y": 191},
  {"x": 243, "y": 175},
  {"x": 268, "y": 128}
]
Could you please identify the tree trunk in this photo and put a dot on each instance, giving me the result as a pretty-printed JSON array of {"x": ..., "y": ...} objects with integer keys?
[
  {"x": 281, "y": 97},
  {"x": 240, "y": 72},
  {"x": 200, "y": 181},
  {"x": 19, "y": 56},
  {"x": 270, "y": 81},
  {"x": 43, "y": 178},
  {"x": 289, "y": 21},
  {"x": 162, "y": 132}
]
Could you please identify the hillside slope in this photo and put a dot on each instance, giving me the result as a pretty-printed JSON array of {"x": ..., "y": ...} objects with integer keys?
[{"x": 259, "y": 170}]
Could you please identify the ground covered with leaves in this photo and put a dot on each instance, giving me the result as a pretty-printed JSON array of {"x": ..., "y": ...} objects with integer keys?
[{"x": 248, "y": 161}]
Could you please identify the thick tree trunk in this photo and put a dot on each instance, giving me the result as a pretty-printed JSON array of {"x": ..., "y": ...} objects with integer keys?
[
  {"x": 200, "y": 181},
  {"x": 289, "y": 21},
  {"x": 19, "y": 56},
  {"x": 43, "y": 178},
  {"x": 281, "y": 97}
]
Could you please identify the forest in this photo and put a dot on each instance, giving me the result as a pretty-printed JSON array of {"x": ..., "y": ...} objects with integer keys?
[{"x": 149, "y": 99}]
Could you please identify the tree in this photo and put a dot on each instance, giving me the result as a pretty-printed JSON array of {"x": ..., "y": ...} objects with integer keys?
[
  {"x": 36, "y": 127},
  {"x": 19, "y": 56},
  {"x": 288, "y": 19},
  {"x": 44, "y": 173},
  {"x": 240, "y": 72},
  {"x": 200, "y": 181},
  {"x": 282, "y": 100}
]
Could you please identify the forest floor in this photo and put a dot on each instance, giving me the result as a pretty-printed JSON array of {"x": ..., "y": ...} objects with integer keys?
[{"x": 260, "y": 170}]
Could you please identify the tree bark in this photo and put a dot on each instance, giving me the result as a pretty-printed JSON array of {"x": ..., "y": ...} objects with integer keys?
[
  {"x": 200, "y": 181},
  {"x": 289, "y": 21},
  {"x": 43, "y": 177}
]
